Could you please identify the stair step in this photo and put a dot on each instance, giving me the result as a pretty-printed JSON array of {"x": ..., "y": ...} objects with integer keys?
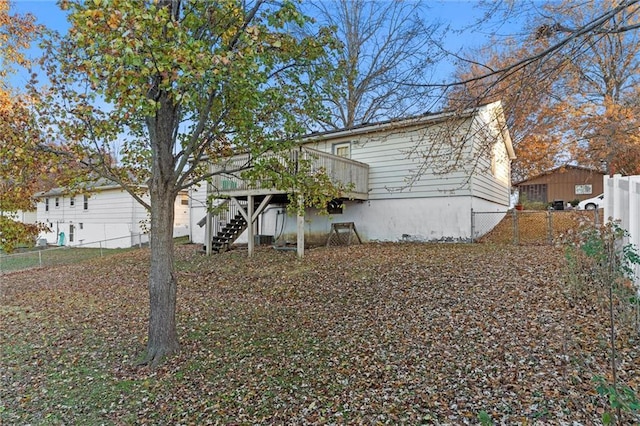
[{"x": 229, "y": 233}]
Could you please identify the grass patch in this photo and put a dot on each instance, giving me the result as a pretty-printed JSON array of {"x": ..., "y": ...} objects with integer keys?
[{"x": 52, "y": 257}]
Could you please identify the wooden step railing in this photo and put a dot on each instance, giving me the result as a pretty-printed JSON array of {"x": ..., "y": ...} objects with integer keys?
[{"x": 227, "y": 225}]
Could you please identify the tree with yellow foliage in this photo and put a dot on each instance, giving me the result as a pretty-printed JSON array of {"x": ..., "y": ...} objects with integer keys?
[
  {"x": 20, "y": 169},
  {"x": 168, "y": 84},
  {"x": 569, "y": 86}
]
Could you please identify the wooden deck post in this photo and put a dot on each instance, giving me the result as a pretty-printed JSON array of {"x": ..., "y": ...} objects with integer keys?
[
  {"x": 300, "y": 231},
  {"x": 208, "y": 230},
  {"x": 250, "y": 228}
]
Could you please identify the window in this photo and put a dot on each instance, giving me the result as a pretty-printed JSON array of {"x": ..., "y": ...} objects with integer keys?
[
  {"x": 184, "y": 199},
  {"x": 72, "y": 201},
  {"x": 46, "y": 204},
  {"x": 57, "y": 202},
  {"x": 584, "y": 189},
  {"x": 342, "y": 149},
  {"x": 80, "y": 226},
  {"x": 85, "y": 203},
  {"x": 72, "y": 230},
  {"x": 334, "y": 207},
  {"x": 534, "y": 192}
]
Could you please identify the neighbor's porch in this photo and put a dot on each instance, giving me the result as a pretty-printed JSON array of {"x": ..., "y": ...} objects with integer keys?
[{"x": 247, "y": 200}]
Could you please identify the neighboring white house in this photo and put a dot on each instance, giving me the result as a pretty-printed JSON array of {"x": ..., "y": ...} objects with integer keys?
[
  {"x": 28, "y": 217},
  {"x": 104, "y": 215},
  {"x": 416, "y": 179}
]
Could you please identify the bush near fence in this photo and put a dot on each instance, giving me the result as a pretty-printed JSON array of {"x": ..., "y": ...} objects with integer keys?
[{"x": 530, "y": 227}]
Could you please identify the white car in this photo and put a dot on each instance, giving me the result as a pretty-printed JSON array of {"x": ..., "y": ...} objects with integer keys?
[{"x": 592, "y": 203}]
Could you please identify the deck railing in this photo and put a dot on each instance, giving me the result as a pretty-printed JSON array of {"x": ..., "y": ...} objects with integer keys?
[{"x": 350, "y": 173}]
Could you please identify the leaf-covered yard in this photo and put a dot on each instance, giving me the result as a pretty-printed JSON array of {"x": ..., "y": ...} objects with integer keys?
[{"x": 372, "y": 334}]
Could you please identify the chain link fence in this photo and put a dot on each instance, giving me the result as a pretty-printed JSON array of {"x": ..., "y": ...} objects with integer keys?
[
  {"x": 51, "y": 256},
  {"x": 530, "y": 227}
]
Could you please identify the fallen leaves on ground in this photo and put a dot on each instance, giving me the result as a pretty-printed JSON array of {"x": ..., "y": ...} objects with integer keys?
[
  {"x": 366, "y": 334},
  {"x": 538, "y": 227}
]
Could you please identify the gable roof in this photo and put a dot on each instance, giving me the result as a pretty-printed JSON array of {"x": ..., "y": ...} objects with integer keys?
[
  {"x": 99, "y": 185},
  {"x": 559, "y": 169},
  {"x": 425, "y": 118}
]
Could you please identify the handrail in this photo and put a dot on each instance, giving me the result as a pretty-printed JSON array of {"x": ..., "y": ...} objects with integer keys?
[
  {"x": 340, "y": 170},
  {"x": 226, "y": 211}
]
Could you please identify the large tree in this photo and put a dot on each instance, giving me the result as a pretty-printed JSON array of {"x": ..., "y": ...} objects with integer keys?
[
  {"x": 569, "y": 84},
  {"x": 384, "y": 58},
  {"x": 163, "y": 85},
  {"x": 20, "y": 169}
]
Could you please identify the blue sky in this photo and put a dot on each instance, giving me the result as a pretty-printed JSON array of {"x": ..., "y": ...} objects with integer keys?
[{"x": 459, "y": 14}]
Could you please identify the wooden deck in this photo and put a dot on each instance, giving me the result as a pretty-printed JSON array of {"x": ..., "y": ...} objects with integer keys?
[{"x": 229, "y": 183}]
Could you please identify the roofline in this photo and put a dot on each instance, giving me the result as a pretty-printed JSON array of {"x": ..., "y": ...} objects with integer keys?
[
  {"x": 422, "y": 119},
  {"x": 63, "y": 191},
  {"x": 566, "y": 166}
]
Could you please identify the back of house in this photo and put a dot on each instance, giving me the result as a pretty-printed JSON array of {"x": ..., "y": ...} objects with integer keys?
[{"x": 425, "y": 175}]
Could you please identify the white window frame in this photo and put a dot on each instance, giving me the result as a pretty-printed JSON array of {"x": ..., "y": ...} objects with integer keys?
[{"x": 338, "y": 146}]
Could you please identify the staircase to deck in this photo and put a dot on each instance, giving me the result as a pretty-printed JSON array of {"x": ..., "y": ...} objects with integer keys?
[
  {"x": 227, "y": 220},
  {"x": 228, "y": 234}
]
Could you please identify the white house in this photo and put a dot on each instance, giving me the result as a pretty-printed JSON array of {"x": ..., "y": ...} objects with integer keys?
[
  {"x": 103, "y": 216},
  {"x": 416, "y": 179},
  {"x": 23, "y": 216}
]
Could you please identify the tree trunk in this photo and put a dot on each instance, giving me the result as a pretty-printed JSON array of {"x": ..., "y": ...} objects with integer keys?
[{"x": 163, "y": 337}]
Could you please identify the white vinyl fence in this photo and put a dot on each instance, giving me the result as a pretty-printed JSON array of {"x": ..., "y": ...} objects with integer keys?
[{"x": 622, "y": 203}]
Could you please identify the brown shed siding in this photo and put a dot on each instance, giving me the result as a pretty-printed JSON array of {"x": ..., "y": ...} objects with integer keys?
[{"x": 561, "y": 184}]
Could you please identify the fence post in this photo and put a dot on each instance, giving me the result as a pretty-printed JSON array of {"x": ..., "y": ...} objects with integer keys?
[
  {"x": 139, "y": 240},
  {"x": 473, "y": 226},
  {"x": 550, "y": 227},
  {"x": 40, "y": 258},
  {"x": 514, "y": 212},
  {"x": 100, "y": 248}
]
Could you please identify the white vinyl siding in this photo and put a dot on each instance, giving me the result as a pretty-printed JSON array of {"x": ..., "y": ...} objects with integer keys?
[
  {"x": 109, "y": 207},
  {"x": 491, "y": 179},
  {"x": 396, "y": 168}
]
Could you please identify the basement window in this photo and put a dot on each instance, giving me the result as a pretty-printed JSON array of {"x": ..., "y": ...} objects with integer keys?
[{"x": 334, "y": 207}]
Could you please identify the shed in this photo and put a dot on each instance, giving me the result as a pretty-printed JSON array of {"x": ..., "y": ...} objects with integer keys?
[{"x": 567, "y": 183}]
